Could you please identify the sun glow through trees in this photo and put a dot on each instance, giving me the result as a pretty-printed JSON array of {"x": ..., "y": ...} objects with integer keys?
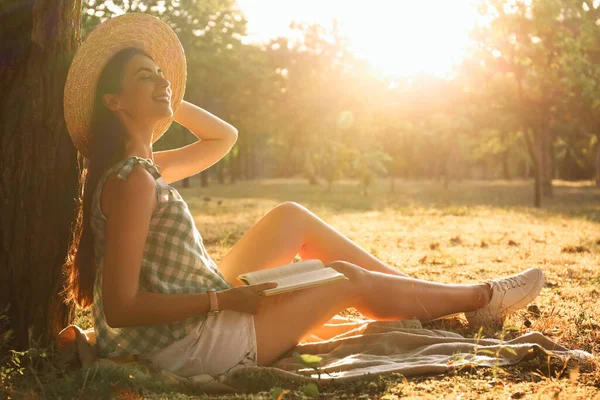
[{"x": 398, "y": 37}]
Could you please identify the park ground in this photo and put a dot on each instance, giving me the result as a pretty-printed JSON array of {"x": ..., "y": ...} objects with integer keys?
[{"x": 473, "y": 231}]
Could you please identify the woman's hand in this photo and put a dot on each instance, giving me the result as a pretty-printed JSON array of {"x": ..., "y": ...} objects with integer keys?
[{"x": 243, "y": 298}]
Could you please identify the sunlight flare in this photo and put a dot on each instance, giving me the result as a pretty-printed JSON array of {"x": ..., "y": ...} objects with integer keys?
[{"x": 398, "y": 38}]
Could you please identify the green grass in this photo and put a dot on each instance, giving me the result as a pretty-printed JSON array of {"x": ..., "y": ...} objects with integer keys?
[{"x": 471, "y": 232}]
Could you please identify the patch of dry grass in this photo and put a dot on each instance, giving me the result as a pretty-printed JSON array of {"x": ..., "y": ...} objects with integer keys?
[{"x": 472, "y": 232}]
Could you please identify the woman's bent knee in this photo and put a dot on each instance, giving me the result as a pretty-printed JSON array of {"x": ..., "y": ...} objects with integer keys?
[{"x": 291, "y": 207}]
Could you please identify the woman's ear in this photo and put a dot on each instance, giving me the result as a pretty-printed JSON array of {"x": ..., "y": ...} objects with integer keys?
[{"x": 111, "y": 102}]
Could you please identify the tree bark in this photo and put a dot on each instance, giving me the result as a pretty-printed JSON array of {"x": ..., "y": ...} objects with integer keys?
[{"x": 40, "y": 175}]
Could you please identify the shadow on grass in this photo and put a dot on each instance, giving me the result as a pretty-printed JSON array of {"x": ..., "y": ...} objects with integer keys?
[{"x": 574, "y": 200}]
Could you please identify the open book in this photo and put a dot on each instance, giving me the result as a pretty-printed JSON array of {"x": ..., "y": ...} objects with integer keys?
[{"x": 290, "y": 277}]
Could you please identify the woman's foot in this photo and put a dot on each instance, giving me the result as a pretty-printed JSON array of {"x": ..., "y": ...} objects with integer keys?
[{"x": 508, "y": 295}]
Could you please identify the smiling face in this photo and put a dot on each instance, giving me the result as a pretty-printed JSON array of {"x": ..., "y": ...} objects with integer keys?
[{"x": 145, "y": 96}]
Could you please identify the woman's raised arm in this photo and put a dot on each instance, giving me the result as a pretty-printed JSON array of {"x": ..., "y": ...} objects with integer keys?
[{"x": 216, "y": 136}]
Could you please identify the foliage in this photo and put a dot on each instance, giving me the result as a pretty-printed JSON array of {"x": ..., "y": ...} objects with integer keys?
[{"x": 525, "y": 97}]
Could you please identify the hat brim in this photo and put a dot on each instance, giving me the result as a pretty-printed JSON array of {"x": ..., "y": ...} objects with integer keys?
[{"x": 139, "y": 30}]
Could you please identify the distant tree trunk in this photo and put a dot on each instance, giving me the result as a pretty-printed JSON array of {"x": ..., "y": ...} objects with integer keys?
[
  {"x": 242, "y": 154},
  {"x": 533, "y": 139},
  {"x": 526, "y": 169},
  {"x": 186, "y": 182},
  {"x": 546, "y": 162},
  {"x": 553, "y": 167},
  {"x": 598, "y": 162},
  {"x": 505, "y": 168},
  {"x": 537, "y": 188},
  {"x": 247, "y": 160},
  {"x": 235, "y": 164},
  {"x": 39, "y": 178},
  {"x": 221, "y": 172},
  {"x": 204, "y": 178},
  {"x": 457, "y": 165},
  {"x": 505, "y": 157},
  {"x": 251, "y": 159},
  {"x": 484, "y": 169}
]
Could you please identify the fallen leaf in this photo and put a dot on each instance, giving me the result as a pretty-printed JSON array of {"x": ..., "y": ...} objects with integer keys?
[
  {"x": 535, "y": 310},
  {"x": 456, "y": 240},
  {"x": 575, "y": 249}
]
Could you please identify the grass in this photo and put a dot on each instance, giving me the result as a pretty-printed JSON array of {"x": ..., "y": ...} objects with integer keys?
[{"x": 471, "y": 232}]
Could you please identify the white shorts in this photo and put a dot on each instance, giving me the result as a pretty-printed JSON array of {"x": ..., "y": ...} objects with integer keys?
[{"x": 219, "y": 344}]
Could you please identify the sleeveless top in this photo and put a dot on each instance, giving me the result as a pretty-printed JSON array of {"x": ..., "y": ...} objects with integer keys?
[{"x": 174, "y": 261}]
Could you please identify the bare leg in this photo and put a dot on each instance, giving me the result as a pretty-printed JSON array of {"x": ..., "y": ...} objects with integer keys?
[
  {"x": 284, "y": 319},
  {"x": 291, "y": 229}
]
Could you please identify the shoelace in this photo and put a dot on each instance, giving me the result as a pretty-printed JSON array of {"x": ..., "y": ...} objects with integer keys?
[{"x": 508, "y": 283}]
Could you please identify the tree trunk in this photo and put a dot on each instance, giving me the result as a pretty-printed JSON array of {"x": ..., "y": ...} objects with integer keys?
[
  {"x": 533, "y": 146},
  {"x": 39, "y": 177},
  {"x": 186, "y": 182},
  {"x": 221, "y": 172},
  {"x": 505, "y": 156},
  {"x": 484, "y": 169},
  {"x": 546, "y": 162},
  {"x": 598, "y": 162},
  {"x": 247, "y": 167},
  {"x": 204, "y": 178},
  {"x": 235, "y": 164},
  {"x": 526, "y": 170},
  {"x": 537, "y": 188},
  {"x": 251, "y": 159},
  {"x": 505, "y": 168}
]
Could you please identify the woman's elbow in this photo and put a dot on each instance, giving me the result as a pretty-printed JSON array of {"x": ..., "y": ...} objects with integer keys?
[
  {"x": 116, "y": 317},
  {"x": 234, "y": 135},
  {"x": 112, "y": 320}
]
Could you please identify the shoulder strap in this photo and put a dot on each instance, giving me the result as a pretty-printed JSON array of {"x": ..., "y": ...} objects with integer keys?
[
  {"x": 124, "y": 167},
  {"x": 147, "y": 163}
]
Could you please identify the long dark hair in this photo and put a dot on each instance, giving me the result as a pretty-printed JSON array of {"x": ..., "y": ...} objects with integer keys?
[{"x": 108, "y": 140}]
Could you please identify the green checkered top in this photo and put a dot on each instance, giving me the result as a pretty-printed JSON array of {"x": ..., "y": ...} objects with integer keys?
[{"x": 174, "y": 261}]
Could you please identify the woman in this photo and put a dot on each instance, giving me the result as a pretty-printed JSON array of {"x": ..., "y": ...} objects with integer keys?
[{"x": 139, "y": 261}]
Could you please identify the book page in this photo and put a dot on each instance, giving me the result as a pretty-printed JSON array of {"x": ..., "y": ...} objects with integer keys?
[
  {"x": 306, "y": 279},
  {"x": 273, "y": 274}
]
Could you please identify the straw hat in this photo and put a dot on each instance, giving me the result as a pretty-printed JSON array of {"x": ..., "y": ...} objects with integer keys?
[{"x": 138, "y": 30}]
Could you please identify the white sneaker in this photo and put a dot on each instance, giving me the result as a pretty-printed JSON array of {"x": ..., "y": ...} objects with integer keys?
[{"x": 508, "y": 295}]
